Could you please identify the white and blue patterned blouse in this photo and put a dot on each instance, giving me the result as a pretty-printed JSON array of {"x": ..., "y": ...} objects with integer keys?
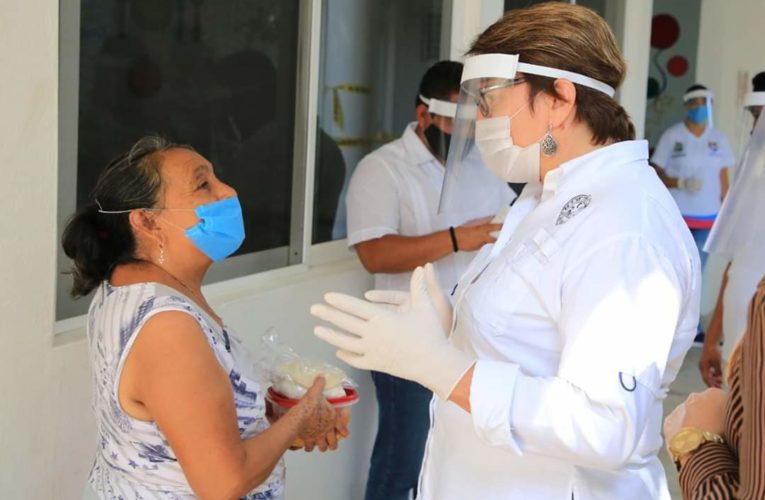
[{"x": 133, "y": 458}]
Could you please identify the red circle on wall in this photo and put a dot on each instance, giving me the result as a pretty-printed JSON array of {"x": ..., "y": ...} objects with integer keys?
[
  {"x": 665, "y": 31},
  {"x": 677, "y": 66}
]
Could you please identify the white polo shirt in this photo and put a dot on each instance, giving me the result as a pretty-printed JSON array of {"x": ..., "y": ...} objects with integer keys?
[
  {"x": 396, "y": 190},
  {"x": 580, "y": 316},
  {"x": 682, "y": 154}
]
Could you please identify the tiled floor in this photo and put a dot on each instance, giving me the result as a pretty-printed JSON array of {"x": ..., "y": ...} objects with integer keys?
[{"x": 688, "y": 380}]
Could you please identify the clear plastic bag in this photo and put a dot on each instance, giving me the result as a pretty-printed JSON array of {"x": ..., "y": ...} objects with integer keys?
[{"x": 291, "y": 375}]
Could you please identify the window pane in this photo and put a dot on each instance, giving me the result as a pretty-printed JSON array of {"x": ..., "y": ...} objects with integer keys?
[
  {"x": 373, "y": 56},
  {"x": 218, "y": 75}
]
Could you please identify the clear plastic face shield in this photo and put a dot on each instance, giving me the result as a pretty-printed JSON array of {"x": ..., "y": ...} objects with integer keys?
[
  {"x": 750, "y": 112},
  {"x": 698, "y": 107},
  {"x": 739, "y": 222},
  {"x": 439, "y": 132},
  {"x": 491, "y": 95}
]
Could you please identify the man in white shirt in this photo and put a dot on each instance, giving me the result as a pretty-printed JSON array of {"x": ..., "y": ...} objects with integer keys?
[
  {"x": 692, "y": 158},
  {"x": 394, "y": 226}
]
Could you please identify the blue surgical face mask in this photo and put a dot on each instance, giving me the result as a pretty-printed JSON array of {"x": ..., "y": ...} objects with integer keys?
[
  {"x": 698, "y": 115},
  {"x": 220, "y": 230}
]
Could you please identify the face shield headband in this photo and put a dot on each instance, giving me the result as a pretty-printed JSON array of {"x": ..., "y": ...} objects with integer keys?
[
  {"x": 438, "y": 140},
  {"x": 439, "y": 107}
]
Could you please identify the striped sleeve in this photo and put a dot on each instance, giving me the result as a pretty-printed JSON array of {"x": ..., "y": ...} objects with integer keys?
[
  {"x": 710, "y": 474},
  {"x": 752, "y": 447},
  {"x": 714, "y": 472}
]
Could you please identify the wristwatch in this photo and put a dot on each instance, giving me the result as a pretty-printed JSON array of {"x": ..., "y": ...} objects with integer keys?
[{"x": 688, "y": 440}]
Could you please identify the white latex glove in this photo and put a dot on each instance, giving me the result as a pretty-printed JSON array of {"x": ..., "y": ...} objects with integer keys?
[
  {"x": 690, "y": 184},
  {"x": 407, "y": 344},
  {"x": 400, "y": 301}
]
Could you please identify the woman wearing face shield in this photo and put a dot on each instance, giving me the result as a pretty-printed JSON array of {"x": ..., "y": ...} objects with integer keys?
[
  {"x": 550, "y": 370},
  {"x": 177, "y": 413},
  {"x": 693, "y": 158}
]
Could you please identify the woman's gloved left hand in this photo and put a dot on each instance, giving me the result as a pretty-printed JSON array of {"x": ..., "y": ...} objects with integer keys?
[{"x": 405, "y": 342}]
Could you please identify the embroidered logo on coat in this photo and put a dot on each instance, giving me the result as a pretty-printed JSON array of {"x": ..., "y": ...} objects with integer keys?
[
  {"x": 678, "y": 147},
  {"x": 573, "y": 207}
]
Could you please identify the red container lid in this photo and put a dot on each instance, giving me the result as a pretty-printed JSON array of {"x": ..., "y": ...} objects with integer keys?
[{"x": 280, "y": 399}]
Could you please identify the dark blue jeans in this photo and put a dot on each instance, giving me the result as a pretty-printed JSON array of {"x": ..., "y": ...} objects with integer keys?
[
  {"x": 700, "y": 237},
  {"x": 404, "y": 420}
]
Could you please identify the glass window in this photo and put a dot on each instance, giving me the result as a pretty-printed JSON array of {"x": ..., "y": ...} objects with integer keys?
[
  {"x": 372, "y": 59},
  {"x": 218, "y": 75}
]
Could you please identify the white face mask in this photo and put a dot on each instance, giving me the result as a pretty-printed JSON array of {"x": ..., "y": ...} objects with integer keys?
[{"x": 509, "y": 162}]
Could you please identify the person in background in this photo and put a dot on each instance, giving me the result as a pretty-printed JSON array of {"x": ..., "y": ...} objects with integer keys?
[
  {"x": 737, "y": 237},
  {"x": 394, "y": 226},
  {"x": 176, "y": 412},
  {"x": 692, "y": 158}
]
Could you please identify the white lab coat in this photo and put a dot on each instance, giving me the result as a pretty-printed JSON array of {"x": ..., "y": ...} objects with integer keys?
[
  {"x": 396, "y": 190},
  {"x": 580, "y": 321}
]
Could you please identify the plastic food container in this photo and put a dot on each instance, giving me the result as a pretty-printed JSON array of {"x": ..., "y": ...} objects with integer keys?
[{"x": 280, "y": 403}]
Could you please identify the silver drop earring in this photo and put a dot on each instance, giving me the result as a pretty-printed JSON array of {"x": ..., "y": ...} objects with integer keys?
[
  {"x": 549, "y": 145},
  {"x": 161, "y": 259}
]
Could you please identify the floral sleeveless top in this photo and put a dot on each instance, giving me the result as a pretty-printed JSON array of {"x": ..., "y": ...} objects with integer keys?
[{"x": 133, "y": 458}]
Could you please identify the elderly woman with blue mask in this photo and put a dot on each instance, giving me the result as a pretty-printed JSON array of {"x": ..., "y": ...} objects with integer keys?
[{"x": 176, "y": 413}]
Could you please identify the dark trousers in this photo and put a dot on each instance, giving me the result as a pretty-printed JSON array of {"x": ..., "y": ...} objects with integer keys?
[
  {"x": 404, "y": 420},
  {"x": 700, "y": 237}
]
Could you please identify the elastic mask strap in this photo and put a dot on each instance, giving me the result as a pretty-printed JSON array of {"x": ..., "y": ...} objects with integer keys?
[
  {"x": 148, "y": 209},
  {"x": 184, "y": 229},
  {"x": 528, "y": 103}
]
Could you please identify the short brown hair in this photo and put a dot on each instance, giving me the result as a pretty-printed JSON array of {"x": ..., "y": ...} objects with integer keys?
[{"x": 571, "y": 38}]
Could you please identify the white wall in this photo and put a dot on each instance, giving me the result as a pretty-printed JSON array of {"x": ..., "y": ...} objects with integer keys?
[
  {"x": 730, "y": 43},
  {"x": 634, "y": 18},
  {"x": 27, "y": 243},
  {"x": 469, "y": 19}
]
